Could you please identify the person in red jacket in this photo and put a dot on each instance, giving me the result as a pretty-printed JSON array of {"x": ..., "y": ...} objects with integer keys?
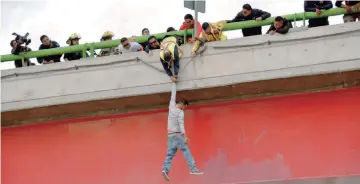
[{"x": 189, "y": 23}]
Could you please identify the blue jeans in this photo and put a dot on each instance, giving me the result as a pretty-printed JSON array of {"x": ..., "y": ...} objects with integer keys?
[{"x": 175, "y": 142}]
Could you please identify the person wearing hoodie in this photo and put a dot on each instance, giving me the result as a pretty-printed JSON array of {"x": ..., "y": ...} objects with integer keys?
[
  {"x": 349, "y": 6},
  {"x": 153, "y": 44},
  {"x": 281, "y": 25},
  {"x": 48, "y": 44},
  {"x": 189, "y": 23},
  {"x": 318, "y": 6},
  {"x": 248, "y": 13}
]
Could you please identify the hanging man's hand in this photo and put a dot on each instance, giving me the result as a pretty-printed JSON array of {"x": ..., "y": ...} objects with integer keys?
[
  {"x": 174, "y": 79},
  {"x": 186, "y": 140},
  {"x": 259, "y": 19}
]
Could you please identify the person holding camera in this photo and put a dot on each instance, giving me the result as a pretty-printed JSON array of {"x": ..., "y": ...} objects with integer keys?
[
  {"x": 48, "y": 44},
  {"x": 17, "y": 48}
]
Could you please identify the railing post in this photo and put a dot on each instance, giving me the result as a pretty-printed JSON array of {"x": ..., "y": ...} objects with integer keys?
[
  {"x": 84, "y": 50},
  {"x": 92, "y": 49}
]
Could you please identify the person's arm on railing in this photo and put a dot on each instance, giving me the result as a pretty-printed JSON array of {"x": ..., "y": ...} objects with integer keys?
[
  {"x": 339, "y": 4},
  {"x": 221, "y": 24},
  {"x": 264, "y": 14}
]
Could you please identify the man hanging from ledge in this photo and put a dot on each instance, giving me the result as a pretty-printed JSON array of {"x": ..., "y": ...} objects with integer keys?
[
  {"x": 211, "y": 32},
  {"x": 170, "y": 54}
]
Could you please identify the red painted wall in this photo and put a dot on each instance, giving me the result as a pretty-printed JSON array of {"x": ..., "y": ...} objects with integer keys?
[{"x": 307, "y": 135}]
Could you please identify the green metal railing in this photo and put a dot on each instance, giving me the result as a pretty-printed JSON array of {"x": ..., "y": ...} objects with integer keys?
[{"x": 141, "y": 39}]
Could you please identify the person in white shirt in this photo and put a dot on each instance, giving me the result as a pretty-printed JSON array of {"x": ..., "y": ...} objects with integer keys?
[
  {"x": 177, "y": 138},
  {"x": 127, "y": 46}
]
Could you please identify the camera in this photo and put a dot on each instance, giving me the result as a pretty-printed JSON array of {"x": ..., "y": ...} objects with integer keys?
[{"x": 22, "y": 39}]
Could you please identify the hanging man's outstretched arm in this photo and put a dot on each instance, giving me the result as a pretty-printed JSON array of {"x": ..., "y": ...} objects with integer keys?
[{"x": 173, "y": 95}]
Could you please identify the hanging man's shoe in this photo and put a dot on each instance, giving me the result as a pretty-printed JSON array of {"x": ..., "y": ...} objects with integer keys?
[
  {"x": 165, "y": 175},
  {"x": 196, "y": 172}
]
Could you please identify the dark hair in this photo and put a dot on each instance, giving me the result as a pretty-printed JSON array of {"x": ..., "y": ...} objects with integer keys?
[
  {"x": 170, "y": 29},
  {"x": 167, "y": 56},
  {"x": 279, "y": 18},
  {"x": 142, "y": 31},
  {"x": 205, "y": 25},
  {"x": 151, "y": 37},
  {"x": 11, "y": 42},
  {"x": 123, "y": 40},
  {"x": 247, "y": 7},
  {"x": 188, "y": 16},
  {"x": 183, "y": 101},
  {"x": 42, "y": 37}
]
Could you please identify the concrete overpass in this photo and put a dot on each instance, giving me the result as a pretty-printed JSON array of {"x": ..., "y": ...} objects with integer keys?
[{"x": 304, "y": 59}]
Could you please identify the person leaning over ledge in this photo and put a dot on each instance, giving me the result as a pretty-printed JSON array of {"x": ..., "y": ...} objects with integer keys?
[
  {"x": 211, "y": 32},
  {"x": 281, "y": 25},
  {"x": 170, "y": 54},
  {"x": 249, "y": 13}
]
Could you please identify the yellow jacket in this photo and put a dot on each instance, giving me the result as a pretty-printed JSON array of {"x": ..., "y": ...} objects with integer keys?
[
  {"x": 216, "y": 34},
  {"x": 169, "y": 43}
]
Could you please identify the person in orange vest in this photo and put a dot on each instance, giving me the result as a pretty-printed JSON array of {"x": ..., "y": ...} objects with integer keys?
[{"x": 211, "y": 32}]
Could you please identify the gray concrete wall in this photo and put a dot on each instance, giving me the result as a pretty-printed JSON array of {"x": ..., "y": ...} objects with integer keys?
[{"x": 299, "y": 53}]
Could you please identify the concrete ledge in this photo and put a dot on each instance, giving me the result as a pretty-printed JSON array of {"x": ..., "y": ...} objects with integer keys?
[
  {"x": 161, "y": 100},
  {"x": 313, "y": 51}
]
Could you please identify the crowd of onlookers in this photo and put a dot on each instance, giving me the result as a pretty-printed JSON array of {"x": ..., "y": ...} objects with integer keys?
[{"x": 280, "y": 25}]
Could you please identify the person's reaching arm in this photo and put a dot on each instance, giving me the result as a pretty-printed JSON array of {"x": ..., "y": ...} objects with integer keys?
[
  {"x": 166, "y": 68},
  {"x": 173, "y": 95},
  {"x": 271, "y": 28},
  {"x": 196, "y": 45},
  {"x": 239, "y": 17}
]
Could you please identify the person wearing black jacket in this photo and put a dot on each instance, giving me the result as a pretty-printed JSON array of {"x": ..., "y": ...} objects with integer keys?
[
  {"x": 16, "y": 50},
  {"x": 248, "y": 13},
  {"x": 349, "y": 17},
  {"x": 153, "y": 44},
  {"x": 48, "y": 44},
  {"x": 281, "y": 25},
  {"x": 318, "y": 6}
]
